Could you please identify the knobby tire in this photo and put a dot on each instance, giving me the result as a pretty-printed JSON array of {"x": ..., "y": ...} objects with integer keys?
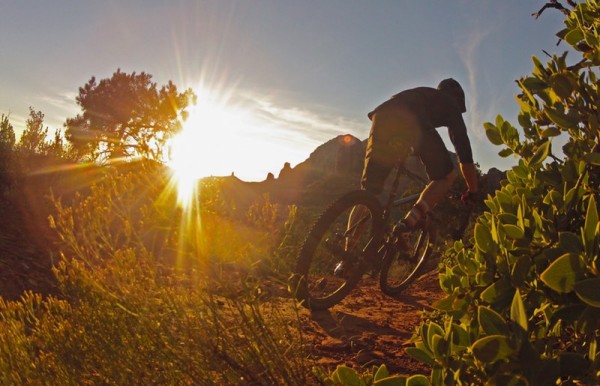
[{"x": 325, "y": 245}]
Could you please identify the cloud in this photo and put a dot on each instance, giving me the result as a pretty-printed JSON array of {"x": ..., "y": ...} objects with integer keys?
[
  {"x": 61, "y": 100},
  {"x": 301, "y": 125},
  {"x": 468, "y": 49}
]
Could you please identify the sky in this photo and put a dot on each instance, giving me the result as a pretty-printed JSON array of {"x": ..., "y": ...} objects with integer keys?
[{"x": 282, "y": 76}]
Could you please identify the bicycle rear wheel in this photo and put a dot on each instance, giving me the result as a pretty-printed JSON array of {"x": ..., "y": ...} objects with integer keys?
[
  {"x": 332, "y": 241},
  {"x": 401, "y": 266}
]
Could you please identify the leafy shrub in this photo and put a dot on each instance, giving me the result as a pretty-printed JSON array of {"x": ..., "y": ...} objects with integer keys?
[
  {"x": 523, "y": 305},
  {"x": 377, "y": 376},
  {"x": 143, "y": 301}
]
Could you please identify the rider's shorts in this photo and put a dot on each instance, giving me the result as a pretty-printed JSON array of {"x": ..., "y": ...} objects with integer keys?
[{"x": 395, "y": 131}]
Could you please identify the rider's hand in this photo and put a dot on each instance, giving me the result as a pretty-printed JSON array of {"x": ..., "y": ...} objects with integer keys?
[{"x": 470, "y": 198}]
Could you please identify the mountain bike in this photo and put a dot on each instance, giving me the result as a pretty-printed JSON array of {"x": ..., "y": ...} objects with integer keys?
[{"x": 370, "y": 240}]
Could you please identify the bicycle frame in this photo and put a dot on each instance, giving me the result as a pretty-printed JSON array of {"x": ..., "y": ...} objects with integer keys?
[{"x": 392, "y": 201}]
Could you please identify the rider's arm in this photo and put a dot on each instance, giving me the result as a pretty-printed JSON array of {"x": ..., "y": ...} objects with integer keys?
[
  {"x": 458, "y": 135},
  {"x": 469, "y": 173}
]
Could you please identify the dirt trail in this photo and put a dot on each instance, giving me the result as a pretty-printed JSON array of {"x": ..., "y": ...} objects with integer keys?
[{"x": 369, "y": 328}]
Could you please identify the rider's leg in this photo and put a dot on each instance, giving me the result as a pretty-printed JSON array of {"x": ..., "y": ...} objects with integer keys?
[
  {"x": 441, "y": 172},
  {"x": 433, "y": 193},
  {"x": 392, "y": 131}
]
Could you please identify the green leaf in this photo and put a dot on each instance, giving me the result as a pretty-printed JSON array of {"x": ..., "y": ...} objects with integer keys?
[
  {"x": 538, "y": 67},
  {"x": 496, "y": 291},
  {"x": 491, "y": 322},
  {"x": 513, "y": 231},
  {"x": 550, "y": 132},
  {"x": 574, "y": 36},
  {"x": 560, "y": 119},
  {"x": 561, "y": 85},
  {"x": 445, "y": 304},
  {"x": 534, "y": 84},
  {"x": 540, "y": 154},
  {"x": 570, "y": 242},
  {"x": 460, "y": 336},
  {"x": 433, "y": 330},
  {"x": 524, "y": 120},
  {"x": 438, "y": 346},
  {"x": 492, "y": 348},
  {"x": 418, "y": 380},
  {"x": 508, "y": 218},
  {"x": 346, "y": 376},
  {"x": 492, "y": 133},
  {"x": 382, "y": 372},
  {"x": 562, "y": 274},
  {"x": 395, "y": 380},
  {"x": 527, "y": 93},
  {"x": 505, "y": 152},
  {"x": 525, "y": 107},
  {"x": 589, "y": 291},
  {"x": 521, "y": 170},
  {"x": 592, "y": 158},
  {"x": 483, "y": 237},
  {"x": 590, "y": 226},
  {"x": 520, "y": 270},
  {"x": 421, "y": 354},
  {"x": 484, "y": 278},
  {"x": 517, "y": 311}
]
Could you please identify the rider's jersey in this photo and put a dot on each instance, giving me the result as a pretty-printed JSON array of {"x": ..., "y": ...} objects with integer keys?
[{"x": 434, "y": 109}]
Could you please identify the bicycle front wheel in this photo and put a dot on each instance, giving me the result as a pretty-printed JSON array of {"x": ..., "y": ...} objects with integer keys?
[
  {"x": 401, "y": 265},
  {"x": 332, "y": 258}
]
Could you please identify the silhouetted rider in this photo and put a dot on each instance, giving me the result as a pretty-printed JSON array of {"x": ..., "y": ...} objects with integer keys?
[{"x": 409, "y": 120}]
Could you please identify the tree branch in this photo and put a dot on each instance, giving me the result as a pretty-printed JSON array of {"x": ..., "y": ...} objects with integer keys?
[{"x": 553, "y": 4}]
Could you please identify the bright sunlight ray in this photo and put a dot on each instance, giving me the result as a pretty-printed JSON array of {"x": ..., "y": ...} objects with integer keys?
[{"x": 198, "y": 150}]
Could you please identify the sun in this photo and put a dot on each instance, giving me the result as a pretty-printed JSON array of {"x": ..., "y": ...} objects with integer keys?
[{"x": 202, "y": 148}]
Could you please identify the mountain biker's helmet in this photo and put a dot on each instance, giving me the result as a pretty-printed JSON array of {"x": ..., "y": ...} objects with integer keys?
[{"x": 452, "y": 88}]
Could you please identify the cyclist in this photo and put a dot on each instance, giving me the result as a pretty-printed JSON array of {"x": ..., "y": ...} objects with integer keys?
[{"x": 409, "y": 120}]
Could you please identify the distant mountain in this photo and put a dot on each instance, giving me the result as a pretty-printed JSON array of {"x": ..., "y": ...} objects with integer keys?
[{"x": 331, "y": 169}]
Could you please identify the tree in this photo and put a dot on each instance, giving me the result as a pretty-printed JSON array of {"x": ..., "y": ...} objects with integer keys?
[
  {"x": 126, "y": 115},
  {"x": 522, "y": 305},
  {"x": 7, "y": 136},
  {"x": 7, "y": 145},
  {"x": 33, "y": 139}
]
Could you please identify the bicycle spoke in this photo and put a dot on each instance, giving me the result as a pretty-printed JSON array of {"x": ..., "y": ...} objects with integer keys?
[
  {"x": 338, "y": 252},
  {"x": 331, "y": 259},
  {"x": 402, "y": 264}
]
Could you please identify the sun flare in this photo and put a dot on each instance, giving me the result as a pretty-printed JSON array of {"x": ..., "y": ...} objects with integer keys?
[{"x": 201, "y": 148}]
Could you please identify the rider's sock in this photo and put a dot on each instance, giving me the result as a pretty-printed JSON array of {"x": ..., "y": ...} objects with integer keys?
[{"x": 418, "y": 212}]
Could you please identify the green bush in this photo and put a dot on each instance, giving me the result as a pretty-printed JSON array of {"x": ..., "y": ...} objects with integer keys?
[
  {"x": 376, "y": 376},
  {"x": 523, "y": 305}
]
